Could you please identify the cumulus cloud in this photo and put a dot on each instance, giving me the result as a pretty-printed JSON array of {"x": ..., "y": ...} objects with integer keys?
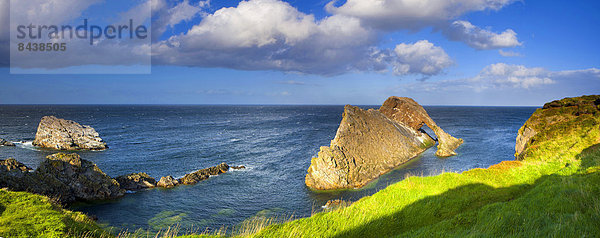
[
  {"x": 422, "y": 57},
  {"x": 478, "y": 38},
  {"x": 273, "y": 35},
  {"x": 411, "y": 14}
]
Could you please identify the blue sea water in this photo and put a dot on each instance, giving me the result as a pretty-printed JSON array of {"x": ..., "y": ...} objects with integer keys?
[{"x": 275, "y": 143}]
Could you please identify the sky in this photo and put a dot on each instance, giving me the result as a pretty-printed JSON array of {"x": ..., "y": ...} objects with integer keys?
[{"x": 439, "y": 52}]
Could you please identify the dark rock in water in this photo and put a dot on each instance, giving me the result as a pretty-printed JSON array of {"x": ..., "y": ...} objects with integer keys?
[
  {"x": 366, "y": 145},
  {"x": 4, "y": 142},
  {"x": 167, "y": 182},
  {"x": 73, "y": 178},
  {"x": 136, "y": 181},
  {"x": 238, "y": 167},
  {"x": 61, "y": 134},
  {"x": 64, "y": 177},
  {"x": 195, "y": 177},
  {"x": 407, "y": 111}
]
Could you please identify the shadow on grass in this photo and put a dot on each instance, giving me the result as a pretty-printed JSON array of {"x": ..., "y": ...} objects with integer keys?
[{"x": 460, "y": 205}]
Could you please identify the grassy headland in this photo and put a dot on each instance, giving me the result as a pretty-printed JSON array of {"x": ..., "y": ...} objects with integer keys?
[{"x": 553, "y": 190}]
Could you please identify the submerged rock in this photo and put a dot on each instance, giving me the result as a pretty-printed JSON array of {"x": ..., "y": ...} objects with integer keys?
[
  {"x": 238, "y": 167},
  {"x": 4, "y": 142},
  {"x": 407, "y": 111},
  {"x": 61, "y": 134},
  {"x": 136, "y": 181},
  {"x": 366, "y": 145},
  {"x": 167, "y": 182},
  {"x": 197, "y": 176}
]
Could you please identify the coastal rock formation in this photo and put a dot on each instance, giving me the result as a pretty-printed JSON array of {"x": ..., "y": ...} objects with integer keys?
[
  {"x": 408, "y": 112},
  {"x": 14, "y": 174},
  {"x": 61, "y": 134},
  {"x": 366, "y": 145},
  {"x": 167, "y": 182},
  {"x": 136, "y": 181},
  {"x": 64, "y": 177},
  {"x": 4, "y": 142},
  {"x": 552, "y": 114},
  {"x": 73, "y": 178},
  {"x": 197, "y": 176}
]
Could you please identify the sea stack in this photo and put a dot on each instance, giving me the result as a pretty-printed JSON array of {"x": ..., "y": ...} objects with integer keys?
[
  {"x": 408, "y": 112},
  {"x": 369, "y": 143},
  {"x": 61, "y": 134}
]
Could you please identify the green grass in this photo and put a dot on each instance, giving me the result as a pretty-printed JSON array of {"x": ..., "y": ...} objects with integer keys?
[{"x": 29, "y": 215}]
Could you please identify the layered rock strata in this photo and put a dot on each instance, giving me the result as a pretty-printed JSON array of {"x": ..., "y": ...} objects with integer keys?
[
  {"x": 371, "y": 142},
  {"x": 407, "y": 111},
  {"x": 366, "y": 145}
]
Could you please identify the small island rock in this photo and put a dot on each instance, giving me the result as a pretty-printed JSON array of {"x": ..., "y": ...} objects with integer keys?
[
  {"x": 136, "y": 181},
  {"x": 167, "y": 182},
  {"x": 195, "y": 177},
  {"x": 61, "y": 134}
]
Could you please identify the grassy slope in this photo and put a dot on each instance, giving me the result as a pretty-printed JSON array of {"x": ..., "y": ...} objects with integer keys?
[
  {"x": 554, "y": 191},
  {"x": 29, "y": 215}
]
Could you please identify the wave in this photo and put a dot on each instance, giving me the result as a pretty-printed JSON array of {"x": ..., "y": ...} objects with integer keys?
[
  {"x": 235, "y": 140},
  {"x": 26, "y": 145}
]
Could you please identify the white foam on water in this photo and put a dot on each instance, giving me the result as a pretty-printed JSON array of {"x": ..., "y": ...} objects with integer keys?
[{"x": 26, "y": 145}]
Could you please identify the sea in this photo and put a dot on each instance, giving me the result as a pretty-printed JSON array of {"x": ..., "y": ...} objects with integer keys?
[{"x": 274, "y": 142}]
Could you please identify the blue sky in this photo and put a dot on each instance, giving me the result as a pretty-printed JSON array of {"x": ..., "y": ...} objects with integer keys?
[{"x": 352, "y": 52}]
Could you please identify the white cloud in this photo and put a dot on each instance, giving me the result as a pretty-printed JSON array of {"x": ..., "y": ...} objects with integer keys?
[
  {"x": 421, "y": 57},
  {"x": 480, "y": 38},
  {"x": 169, "y": 16},
  {"x": 273, "y": 35},
  {"x": 509, "y": 76},
  {"x": 509, "y": 53},
  {"x": 411, "y": 14},
  {"x": 516, "y": 76}
]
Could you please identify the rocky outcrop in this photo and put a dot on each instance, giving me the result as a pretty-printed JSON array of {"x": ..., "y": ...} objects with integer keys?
[
  {"x": 4, "y": 142},
  {"x": 64, "y": 177},
  {"x": 136, "y": 181},
  {"x": 408, "y": 112},
  {"x": 167, "y": 182},
  {"x": 197, "y": 176},
  {"x": 73, "y": 178},
  {"x": 61, "y": 134},
  {"x": 547, "y": 121},
  {"x": 366, "y": 145}
]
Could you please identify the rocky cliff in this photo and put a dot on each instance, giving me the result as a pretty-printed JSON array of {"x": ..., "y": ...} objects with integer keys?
[
  {"x": 408, "y": 112},
  {"x": 61, "y": 134},
  {"x": 554, "y": 117},
  {"x": 367, "y": 144}
]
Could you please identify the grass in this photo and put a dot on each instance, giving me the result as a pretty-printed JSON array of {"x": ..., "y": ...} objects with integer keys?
[
  {"x": 553, "y": 191},
  {"x": 29, "y": 215}
]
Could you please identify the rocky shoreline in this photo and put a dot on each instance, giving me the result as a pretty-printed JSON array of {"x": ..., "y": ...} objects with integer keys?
[{"x": 67, "y": 178}]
